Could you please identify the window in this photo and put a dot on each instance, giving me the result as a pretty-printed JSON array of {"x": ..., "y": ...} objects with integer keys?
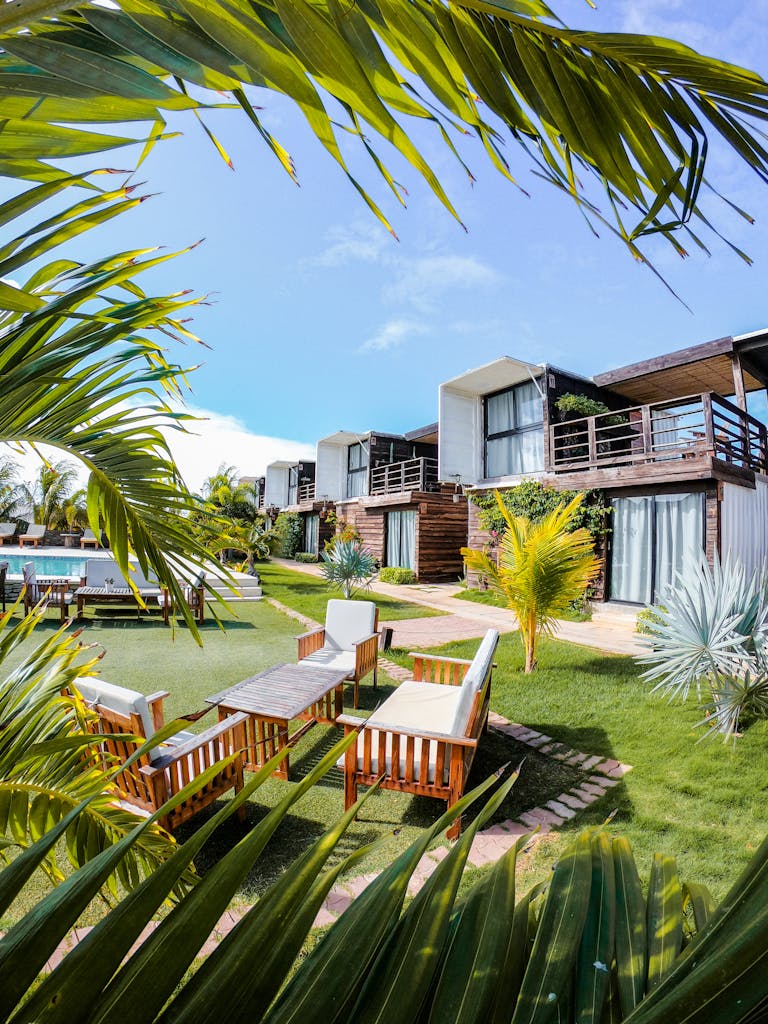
[
  {"x": 654, "y": 538},
  {"x": 514, "y": 431},
  {"x": 312, "y": 534},
  {"x": 357, "y": 470},
  {"x": 293, "y": 485},
  {"x": 401, "y": 538}
]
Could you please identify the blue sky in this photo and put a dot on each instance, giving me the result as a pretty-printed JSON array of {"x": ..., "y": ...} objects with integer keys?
[{"x": 321, "y": 321}]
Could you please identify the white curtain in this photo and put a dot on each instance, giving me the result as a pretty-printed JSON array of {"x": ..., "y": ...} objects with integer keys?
[
  {"x": 401, "y": 538},
  {"x": 679, "y": 537},
  {"x": 500, "y": 412},
  {"x": 520, "y": 452},
  {"x": 631, "y": 550},
  {"x": 311, "y": 534},
  {"x": 515, "y": 454}
]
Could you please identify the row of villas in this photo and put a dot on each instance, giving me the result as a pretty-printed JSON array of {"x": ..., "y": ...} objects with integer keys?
[{"x": 678, "y": 457}]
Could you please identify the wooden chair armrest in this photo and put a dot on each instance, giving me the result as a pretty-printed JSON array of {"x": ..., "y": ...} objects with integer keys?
[
  {"x": 226, "y": 725},
  {"x": 438, "y": 657},
  {"x": 310, "y": 642},
  {"x": 366, "y": 640},
  {"x": 351, "y": 720},
  {"x": 155, "y": 704}
]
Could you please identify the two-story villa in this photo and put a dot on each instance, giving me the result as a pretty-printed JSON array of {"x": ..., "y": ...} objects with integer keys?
[
  {"x": 290, "y": 487},
  {"x": 386, "y": 487},
  {"x": 677, "y": 454}
]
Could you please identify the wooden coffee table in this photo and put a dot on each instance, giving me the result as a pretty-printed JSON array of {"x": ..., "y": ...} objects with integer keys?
[{"x": 275, "y": 698}]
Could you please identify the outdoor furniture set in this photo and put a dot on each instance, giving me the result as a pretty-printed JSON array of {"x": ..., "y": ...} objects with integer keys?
[
  {"x": 448, "y": 694},
  {"x": 36, "y": 534}
]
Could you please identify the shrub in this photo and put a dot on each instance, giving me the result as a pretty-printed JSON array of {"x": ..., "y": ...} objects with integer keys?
[
  {"x": 348, "y": 565},
  {"x": 288, "y": 532},
  {"x": 397, "y": 574},
  {"x": 306, "y": 556},
  {"x": 650, "y": 617},
  {"x": 534, "y": 501}
]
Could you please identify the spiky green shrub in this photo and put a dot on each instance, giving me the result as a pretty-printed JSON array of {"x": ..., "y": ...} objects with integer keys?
[
  {"x": 586, "y": 946},
  {"x": 348, "y": 566},
  {"x": 711, "y": 637}
]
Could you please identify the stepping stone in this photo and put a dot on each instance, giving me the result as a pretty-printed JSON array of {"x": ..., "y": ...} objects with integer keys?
[
  {"x": 561, "y": 810},
  {"x": 602, "y": 781},
  {"x": 323, "y": 919},
  {"x": 572, "y": 801},
  {"x": 590, "y": 762},
  {"x": 336, "y": 902}
]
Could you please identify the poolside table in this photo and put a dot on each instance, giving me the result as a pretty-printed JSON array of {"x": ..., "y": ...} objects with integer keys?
[
  {"x": 117, "y": 595},
  {"x": 276, "y": 697}
]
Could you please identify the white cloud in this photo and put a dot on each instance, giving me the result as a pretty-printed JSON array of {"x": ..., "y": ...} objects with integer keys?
[
  {"x": 393, "y": 334},
  {"x": 420, "y": 283},
  {"x": 218, "y": 438},
  {"x": 361, "y": 243}
]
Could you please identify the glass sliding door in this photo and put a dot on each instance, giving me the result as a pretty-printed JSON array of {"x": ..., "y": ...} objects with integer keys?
[
  {"x": 401, "y": 538},
  {"x": 312, "y": 534},
  {"x": 654, "y": 538}
]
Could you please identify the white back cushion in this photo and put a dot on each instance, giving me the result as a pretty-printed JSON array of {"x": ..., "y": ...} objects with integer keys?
[
  {"x": 119, "y": 699},
  {"x": 473, "y": 680},
  {"x": 97, "y": 570},
  {"x": 347, "y": 622}
]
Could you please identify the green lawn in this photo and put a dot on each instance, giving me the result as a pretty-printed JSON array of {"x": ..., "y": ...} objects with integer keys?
[
  {"x": 705, "y": 803},
  {"x": 490, "y": 597},
  {"x": 309, "y": 595}
]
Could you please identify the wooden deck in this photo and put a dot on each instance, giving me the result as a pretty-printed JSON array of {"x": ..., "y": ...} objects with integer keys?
[{"x": 409, "y": 475}]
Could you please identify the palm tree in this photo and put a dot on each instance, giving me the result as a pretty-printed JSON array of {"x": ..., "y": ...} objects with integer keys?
[
  {"x": 11, "y": 495},
  {"x": 542, "y": 568},
  {"x": 48, "y": 765},
  {"x": 620, "y": 123},
  {"x": 47, "y": 496}
]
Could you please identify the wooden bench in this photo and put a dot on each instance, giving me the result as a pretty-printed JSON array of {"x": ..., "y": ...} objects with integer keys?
[{"x": 423, "y": 738}]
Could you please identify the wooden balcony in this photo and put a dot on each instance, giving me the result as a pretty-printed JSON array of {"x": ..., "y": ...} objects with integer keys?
[
  {"x": 411, "y": 475},
  {"x": 664, "y": 436},
  {"x": 306, "y": 492}
]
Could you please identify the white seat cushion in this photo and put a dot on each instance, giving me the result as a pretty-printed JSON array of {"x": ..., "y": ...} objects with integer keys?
[
  {"x": 120, "y": 700},
  {"x": 422, "y": 707},
  {"x": 348, "y": 622},
  {"x": 330, "y": 657}
]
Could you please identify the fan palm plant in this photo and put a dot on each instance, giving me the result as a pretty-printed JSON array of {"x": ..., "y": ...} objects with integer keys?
[
  {"x": 619, "y": 123},
  {"x": 48, "y": 494},
  {"x": 11, "y": 495},
  {"x": 711, "y": 636},
  {"x": 349, "y": 566},
  {"x": 541, "y": 568},
  {"x": 587, "y": 945},
  {"x": 48, "y": 765}
]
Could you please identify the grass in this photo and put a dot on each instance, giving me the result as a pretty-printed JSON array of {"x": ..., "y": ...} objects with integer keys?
[{"x": 309, "y": 595}]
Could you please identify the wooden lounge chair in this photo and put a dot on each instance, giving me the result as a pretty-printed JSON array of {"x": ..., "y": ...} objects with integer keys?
[
  {"x": 423, "y": 738},
  {"x": 349, "y": 640},
  {"x": 156, "y": 777},
  {"x": 89, "y": 538},
  {"x": 56, "y": 593},
  {"x": 35, "y": 533},
  {"x": 93, "y": 586},
  {"x": 194, "y": 595},
  {"x": 7, "y": 532}
]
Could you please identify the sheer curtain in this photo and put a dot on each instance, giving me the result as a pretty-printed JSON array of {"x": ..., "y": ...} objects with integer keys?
[
  {"x": 679, "y": 537},
  {"x": 519, "y": 410},
  {"x": 631, "y": 550},
  {"x": 311, "y": 534},
  {"x": 401, "y": 538}
]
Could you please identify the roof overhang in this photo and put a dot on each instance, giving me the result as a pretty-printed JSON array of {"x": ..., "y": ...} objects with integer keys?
[
  {"x": 280, "y": 464},
  {"x": 342, "y": 437},
  {"x": 688, "y": 371},
  {"x": 501, "y": 373},
  {"x": 427, "y": 434}
]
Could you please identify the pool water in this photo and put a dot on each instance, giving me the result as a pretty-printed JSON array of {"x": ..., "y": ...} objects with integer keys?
[{"x": 46, "y": 565}]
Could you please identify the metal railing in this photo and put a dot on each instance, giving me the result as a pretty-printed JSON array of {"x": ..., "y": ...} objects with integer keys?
[
  {"x": 690, "y": 427},
  {"x": 411, "y": 475}
]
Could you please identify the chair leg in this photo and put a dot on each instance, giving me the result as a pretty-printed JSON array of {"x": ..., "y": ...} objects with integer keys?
[
  {"x": 350, "y": 790},
  {"x": 356, "y": 693},
  {"x": 375, "y": 676}
]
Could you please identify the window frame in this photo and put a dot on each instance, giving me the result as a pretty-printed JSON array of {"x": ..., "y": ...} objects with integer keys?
[
  {"x": 515, "y": 431},
  {"x": 357, "y": 470}
]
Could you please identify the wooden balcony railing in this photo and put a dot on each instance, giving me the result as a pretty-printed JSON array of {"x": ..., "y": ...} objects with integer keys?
[
  {"x": 691, "y": 427},
  {"x": 411, "y": 475},
  {"x": 306, "y": 492}
]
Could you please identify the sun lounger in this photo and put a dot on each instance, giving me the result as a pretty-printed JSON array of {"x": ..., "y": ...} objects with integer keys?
[
  {"x": 34, "y": 535},
  {"x": 89, "y": 538},
  {"x": 7, "y": 532}
]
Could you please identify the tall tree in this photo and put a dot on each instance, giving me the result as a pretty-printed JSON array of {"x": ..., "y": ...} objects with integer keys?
[{"x": 46, "y": 496}]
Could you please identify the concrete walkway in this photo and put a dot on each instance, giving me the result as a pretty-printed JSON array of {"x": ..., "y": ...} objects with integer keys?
[{"x": 609, "y": 631}]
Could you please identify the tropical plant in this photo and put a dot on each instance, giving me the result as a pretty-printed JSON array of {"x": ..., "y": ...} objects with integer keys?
[
  {"x": 342, "y": 529},
  {"x": 76, "y": 510},
  {"x": 252, "y": 539},
  {"x": 10, "y": 492},
  {"x": 535, "y": 500},
  {"x": 711, "y": 636},
  {"x": 47, "y": 495},
  {"x": 348, "y": 565},
  {"x": 49, "y": 764},
  {"x": 229, "y": 496},
  {"x": 586, "y": 945},
  {"x": 287, "y": 534},
  {"x": 619, "y": 122},
  {"x": 541, "y": 568}
]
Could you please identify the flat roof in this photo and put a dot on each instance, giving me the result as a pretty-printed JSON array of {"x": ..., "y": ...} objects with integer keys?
[{"x": 501, "y": 373}]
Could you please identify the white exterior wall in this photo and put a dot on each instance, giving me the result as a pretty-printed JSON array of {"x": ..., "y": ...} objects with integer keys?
[
  {"x": 276, "y": 487},
  {"x": 330, "y": 471},
  {"x": 460, "y": 441},
  {"x": 744, "y": 524}
]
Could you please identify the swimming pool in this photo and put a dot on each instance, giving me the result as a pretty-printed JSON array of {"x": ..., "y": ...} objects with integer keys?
[{"x": 46, "y": 565}]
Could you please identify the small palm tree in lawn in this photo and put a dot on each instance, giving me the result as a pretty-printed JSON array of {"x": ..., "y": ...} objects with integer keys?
[
  {"x": 348, "y": 565},
  {"x": 542, "y": 568}
]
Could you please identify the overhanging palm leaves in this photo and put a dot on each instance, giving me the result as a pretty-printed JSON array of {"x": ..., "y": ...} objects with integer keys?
[
  {"x": 541, "y": 568},
  {"x": 48, "y": 766},
  {"x": 588, "y": 945},
  {"x": 635, "y": 112}
]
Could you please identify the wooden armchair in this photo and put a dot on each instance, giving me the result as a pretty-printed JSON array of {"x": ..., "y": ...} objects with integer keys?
[
  {"x": 194, "y": 595},
  {"x": 157, "y": 776},
  {"x": 55, "y": 593},
  {"x": 349, "y": 640},
  {"x": 423, "y": 738}
]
